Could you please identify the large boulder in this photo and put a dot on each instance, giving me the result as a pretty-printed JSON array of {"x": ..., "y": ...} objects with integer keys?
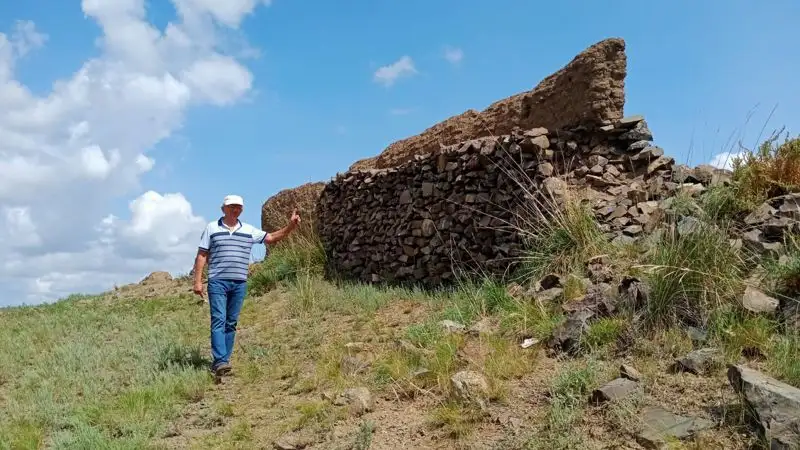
[
  {"x": 277, "y": 210},
  {"x": 589, "y": 90},
  {"x": 773, "y": 405}
]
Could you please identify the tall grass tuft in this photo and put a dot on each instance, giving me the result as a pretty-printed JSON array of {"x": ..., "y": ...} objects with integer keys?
[
  {"x": 691, "y": 274},
  {"x": 560, "y": 235},
  {"x": 724, "y": 205},
  {"x": 301, "y": 255}
]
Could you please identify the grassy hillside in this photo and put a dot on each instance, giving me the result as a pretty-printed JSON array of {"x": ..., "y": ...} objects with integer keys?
[
  {"x": 96, "y": 373},
  {"x": 128, "y": 372}
]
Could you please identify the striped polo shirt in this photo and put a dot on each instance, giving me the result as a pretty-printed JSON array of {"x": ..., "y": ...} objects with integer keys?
[{"x": 229, "y": 249}]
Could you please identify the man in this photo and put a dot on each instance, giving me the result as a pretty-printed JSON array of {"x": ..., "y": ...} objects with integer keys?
[{"x": 226, "y": 244}]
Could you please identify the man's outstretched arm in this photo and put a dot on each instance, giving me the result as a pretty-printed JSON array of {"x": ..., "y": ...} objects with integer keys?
[{"x": 281, "y": 234}]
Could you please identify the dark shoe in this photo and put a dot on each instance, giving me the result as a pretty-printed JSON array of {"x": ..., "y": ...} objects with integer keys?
[{"x": 222, "y": 369}]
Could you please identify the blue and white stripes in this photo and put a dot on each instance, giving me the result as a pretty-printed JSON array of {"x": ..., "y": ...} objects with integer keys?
[{"x": 229, "y": 250}]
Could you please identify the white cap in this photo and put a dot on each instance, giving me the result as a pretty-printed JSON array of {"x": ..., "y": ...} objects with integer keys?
[{"x": 233, "y": 200}]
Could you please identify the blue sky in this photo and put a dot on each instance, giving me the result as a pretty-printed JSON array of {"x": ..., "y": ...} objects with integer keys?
[{"x": 696, "y": 70}]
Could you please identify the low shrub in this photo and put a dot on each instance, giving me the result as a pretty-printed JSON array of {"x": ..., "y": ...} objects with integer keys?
[{"x": 772, "y": 170}]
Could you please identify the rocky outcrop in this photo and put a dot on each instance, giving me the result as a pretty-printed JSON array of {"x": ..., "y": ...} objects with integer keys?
[
  {"x": 156, "y": 278},
  {"x": 588, "y": 90},
  {"x": 276, "y": 211},
  {"x": 457, "y": 209},
  {"x": 774, "y": 406},
  {"x": 769, "y": 224}
]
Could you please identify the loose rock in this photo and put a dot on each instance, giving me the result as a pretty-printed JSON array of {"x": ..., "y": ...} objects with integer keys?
[
  {"x": 293, "y": 441},
  {"x": 698, "y": 362},
  {"x": 452, "y": 327},
  {"x": 470, "y": 386},
  {"x": 630, "y": 372},
  {"x": 660, "y": 426},
  {"x": 757, "y": 301},
  {"x": 359, "y": 400},
  {"x": 776, "y": 405},
  {"x": 617, "y": 389}
]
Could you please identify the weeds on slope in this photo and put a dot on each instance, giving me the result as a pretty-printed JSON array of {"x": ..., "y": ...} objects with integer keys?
[
  {"x": 88, "y": 374},
  {"x": 301, "y": 256},
  {"x": 690, "y": 274}
]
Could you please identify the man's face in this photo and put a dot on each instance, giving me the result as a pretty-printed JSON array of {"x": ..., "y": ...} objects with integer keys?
[{"x": 232, "y": 210}]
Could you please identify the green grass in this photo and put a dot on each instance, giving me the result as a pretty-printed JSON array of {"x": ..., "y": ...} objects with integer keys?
[
  {"x": 455, "y": 420},
  {"x": 363, "y": 439},
  {"x": 723, "y": 204},
  {"x": 286, "y": 262},
  {"x": 603, "y": 333},
  {"x": 690, "y": 275},
  {"x": 559, "y": 239},
  {"x": 783, "y": 274},
  {"x": 743, "y": 335},
  {"x": 568, "y": 393},
  {"x": 89, "y": 374}
]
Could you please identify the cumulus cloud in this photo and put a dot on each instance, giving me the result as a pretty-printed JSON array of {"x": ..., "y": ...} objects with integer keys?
[
  {"x": 388, "y": 75},
  {"x": 725, "y": 160},
  {"x": 453, "y": 55},
  {"x": 65, "y": 156},
  {"x": 219, "y": 80}
]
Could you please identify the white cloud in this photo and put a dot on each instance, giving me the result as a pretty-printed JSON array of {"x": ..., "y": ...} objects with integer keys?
[
  {"x": 160, "y": 225},
  {"x": 725, "y": 160},
  {"x": 65, "y": 156},
  {"x": 218, "y": 79},
  {"x": 144, "y": 163},
  {"x": 25, "y": 37},
  {"x": 401, "y": 111},
  {"x": 228, "y": 12},
  {"x": 20, "y": 229},
  {"x": 95, "y": 163},
  {"x": 403, "y": 67},
  {"x": 453, "y": 55}
]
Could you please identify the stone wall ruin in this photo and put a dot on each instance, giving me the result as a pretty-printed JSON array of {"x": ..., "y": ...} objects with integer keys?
[{"x": 425, "y": 220}]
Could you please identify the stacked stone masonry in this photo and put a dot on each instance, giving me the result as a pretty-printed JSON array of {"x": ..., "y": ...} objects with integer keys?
[{"x": 428, "y": 219}]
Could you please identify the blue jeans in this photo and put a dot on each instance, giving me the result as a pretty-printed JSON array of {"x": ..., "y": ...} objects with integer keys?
[{"x": 225, "y": 298}]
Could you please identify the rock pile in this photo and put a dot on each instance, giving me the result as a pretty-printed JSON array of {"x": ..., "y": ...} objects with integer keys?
[{"x": 770, "y": 223}]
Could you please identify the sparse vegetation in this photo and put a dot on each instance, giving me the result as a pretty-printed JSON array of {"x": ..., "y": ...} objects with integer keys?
[
  {"x": 295, "y": 259},
  {"x": 561, "y": 236},
  {"x": 690, "y": 274},
  {"x": 567, "y": 394},
  {"x": 771, "y": 170}
]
